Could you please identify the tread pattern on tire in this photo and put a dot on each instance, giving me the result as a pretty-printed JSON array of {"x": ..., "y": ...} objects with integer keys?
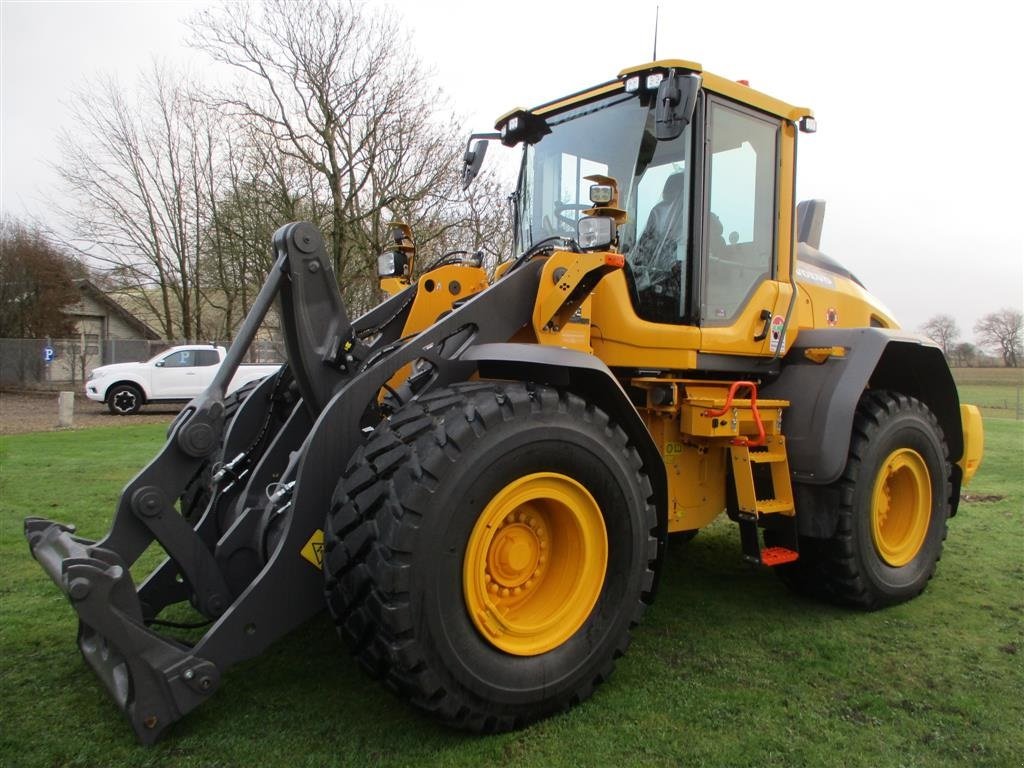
[
  {"x": 828, "y": 568},
  {"x": 377, "y": 510}
]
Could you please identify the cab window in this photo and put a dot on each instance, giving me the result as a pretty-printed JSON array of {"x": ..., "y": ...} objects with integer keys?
[
  {"x": 207, "y": 357},
  {"x": 740, "y": 209},
  {"x": 181, "y": 359},
  {"x": 655, "y": 239}
]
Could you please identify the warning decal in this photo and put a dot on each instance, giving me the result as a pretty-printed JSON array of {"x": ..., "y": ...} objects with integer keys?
[
  {"x": 778, "y": 334},
  {"x": 314, "y": 549}
]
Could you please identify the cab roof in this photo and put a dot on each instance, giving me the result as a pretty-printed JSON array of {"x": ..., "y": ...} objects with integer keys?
[{"x": 731, "y": 89}]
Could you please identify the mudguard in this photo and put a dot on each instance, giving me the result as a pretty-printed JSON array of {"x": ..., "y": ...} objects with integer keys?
[{"x": 824, "y": 395}]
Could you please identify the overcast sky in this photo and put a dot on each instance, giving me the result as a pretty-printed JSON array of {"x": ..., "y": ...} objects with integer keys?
[{"x": 918, "y": 152}]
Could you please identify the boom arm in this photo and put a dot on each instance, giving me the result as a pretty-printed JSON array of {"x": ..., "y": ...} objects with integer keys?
[{"x": 156, "y": 680}]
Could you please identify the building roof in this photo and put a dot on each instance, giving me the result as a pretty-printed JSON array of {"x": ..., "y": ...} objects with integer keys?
[{"x": 90, "y": 289}]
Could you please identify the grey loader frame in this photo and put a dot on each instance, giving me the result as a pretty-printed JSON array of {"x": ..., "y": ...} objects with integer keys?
[{"x": 273, "y": 469}]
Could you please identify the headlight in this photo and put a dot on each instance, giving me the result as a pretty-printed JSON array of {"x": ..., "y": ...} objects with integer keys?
[{"x": 595, "y": 231}]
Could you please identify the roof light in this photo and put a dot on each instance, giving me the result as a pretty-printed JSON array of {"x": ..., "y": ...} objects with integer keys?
[
  {"x": 522, "y": 126},
  {"x": 653, "y": 81},
  {"x": 808, "y": 124},
  {"x": 601, "y": 194},
  {"x": 633, "y": 84}
]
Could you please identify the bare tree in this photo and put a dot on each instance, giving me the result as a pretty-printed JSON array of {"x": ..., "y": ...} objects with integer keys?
[
  {"x": 1003, "y": 331},
  {"x": 138, "y": 170},
  {"x": 178, "y": 192},
  {"x": 337, "y": 88},
  {"x": 943, "y": 330},
  {"x": 965, "y": 355},
  {"x": 36, "y": 284}
]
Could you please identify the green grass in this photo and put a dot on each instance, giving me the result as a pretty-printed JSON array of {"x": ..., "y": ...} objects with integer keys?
[
  {"x": 997, "y": 392},
  {"x": 727, "y": 669}
]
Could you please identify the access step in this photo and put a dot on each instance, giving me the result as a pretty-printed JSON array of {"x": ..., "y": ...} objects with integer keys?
[
  {"x": 772, "y": 556},
  {"x": 785, "y": 550}
]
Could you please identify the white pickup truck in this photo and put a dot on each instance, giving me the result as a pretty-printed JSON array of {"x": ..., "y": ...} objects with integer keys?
[{"x": 177, "y": 374}]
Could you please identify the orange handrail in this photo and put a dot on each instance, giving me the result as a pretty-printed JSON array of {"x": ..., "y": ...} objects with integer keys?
[{"x": 736, "y": 385}]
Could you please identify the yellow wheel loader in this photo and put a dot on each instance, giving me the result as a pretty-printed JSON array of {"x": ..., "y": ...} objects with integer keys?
[{"x": 479, "y": 477}]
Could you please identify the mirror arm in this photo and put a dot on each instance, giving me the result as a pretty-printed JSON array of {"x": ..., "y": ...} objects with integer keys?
[{"x": 474, "y": 156}]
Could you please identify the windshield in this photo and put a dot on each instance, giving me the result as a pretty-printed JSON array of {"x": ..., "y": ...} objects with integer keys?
[
  {"x": 599, "y": 138},
  {"x": 615, "y": 137}
]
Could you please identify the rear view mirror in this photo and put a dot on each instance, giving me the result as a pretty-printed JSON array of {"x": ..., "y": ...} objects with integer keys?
[
  {"x": 677, "y": 98},
  {"x": 473, "y": 159}
]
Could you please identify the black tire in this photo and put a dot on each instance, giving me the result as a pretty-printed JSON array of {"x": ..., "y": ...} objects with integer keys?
[
  {"x": 400, "y": 529},
  {"x": 124, "y": 399},
  {"x": 858, "y": 566}
]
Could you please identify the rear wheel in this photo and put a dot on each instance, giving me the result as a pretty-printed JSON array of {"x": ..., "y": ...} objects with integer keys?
[
  {"x": 488, "y": 551},
  {"x": 124, "y": 399},
  {"x": 894, "y": 503}
]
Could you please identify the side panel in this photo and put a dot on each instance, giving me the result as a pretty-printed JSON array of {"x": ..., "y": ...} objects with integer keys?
[
  {"x": 824, "y": 396},
  {"x": 696, "y": 475}
]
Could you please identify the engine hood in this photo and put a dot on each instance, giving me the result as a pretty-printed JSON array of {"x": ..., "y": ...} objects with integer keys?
[{"x": 106, "y": 370}]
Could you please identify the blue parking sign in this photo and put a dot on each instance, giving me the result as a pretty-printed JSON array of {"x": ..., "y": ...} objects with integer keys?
[{"x": 48, "y": 354}]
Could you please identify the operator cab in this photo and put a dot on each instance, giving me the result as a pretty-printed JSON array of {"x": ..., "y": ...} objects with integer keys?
[
  {"x": 707, "y": 236},
  {"x": 691, "y": 258}
]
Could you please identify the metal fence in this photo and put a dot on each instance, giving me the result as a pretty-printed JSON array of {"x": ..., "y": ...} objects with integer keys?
[{"x": 57, "y": 363}]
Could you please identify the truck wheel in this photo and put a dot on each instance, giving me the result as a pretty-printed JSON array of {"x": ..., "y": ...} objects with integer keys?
[
  {"x": 124, "y": 399},
  {"x": 894, "y": 504},
  {"x": 489, "y": 550}
]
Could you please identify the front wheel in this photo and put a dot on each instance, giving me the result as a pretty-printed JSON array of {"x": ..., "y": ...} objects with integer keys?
[
  {"x": 894, "y": 501},
  {"x": 124, "y": 399},
  {"x": 489, "y": 550}
]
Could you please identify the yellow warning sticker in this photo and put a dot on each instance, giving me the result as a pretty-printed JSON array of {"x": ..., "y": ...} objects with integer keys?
[{"x": 314, "y": 549}]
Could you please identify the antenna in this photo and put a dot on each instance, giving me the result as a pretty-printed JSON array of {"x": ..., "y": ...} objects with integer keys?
[{"x": 657, "y": 10}]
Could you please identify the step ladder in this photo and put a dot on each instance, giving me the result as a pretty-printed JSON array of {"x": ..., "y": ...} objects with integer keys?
[
  {"x": 760, "y": 470},
  {"x": 764, "y": 499}
]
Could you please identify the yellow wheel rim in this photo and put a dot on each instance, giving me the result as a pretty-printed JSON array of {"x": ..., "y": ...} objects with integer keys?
[
  {"x": 535, "y": 563},
  {"x": 901, "y": 507}
]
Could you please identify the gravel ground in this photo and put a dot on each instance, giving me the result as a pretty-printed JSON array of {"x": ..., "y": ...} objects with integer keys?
[{"x": 37, "y": 412}]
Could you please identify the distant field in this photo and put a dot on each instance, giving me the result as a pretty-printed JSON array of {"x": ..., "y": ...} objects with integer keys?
[
  {"x": 998, "y": 392},
  {"x": 991, "y": 376}
]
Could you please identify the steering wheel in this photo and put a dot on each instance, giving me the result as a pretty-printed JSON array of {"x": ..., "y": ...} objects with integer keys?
[
  {"x": 567, "y": 223},
  {"x": 660, "y": 281}
]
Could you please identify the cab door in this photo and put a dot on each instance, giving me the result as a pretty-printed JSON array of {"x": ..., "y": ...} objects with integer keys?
[
  {"x": 742, "y": 305},
  {"x": 207, "y": 363},
  {"x": 174, "y": 376}
]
